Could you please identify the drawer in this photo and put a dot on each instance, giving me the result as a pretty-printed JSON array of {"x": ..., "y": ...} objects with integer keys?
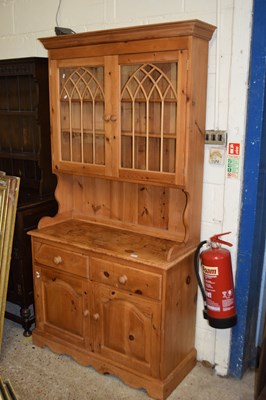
[
  {"x": 128, "y": 278},
  {"x": 61, "y": 259}
]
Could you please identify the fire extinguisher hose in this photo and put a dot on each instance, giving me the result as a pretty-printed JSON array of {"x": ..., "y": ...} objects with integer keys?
[{"x": 196, "y": 266}]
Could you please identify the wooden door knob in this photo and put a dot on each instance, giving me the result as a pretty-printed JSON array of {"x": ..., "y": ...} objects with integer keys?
[
  {"x": 58, "y": 260},
  {"x": 113, "y": 118},
  {"x": 122, "y": 279},
  {"x": 106, "y": 118},
  {"x": 96, "y": 316},
  {"x": 86, "y": 313}
]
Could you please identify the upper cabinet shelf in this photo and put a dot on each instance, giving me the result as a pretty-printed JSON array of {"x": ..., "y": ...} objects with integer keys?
[
  {"x": 128, "y": 104},
  {"x": 195, "y": 28}
]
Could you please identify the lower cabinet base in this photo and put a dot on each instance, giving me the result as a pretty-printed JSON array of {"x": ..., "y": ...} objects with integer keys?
[{"x": 156, "y": 388}]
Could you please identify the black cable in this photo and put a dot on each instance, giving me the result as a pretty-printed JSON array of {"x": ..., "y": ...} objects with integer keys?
[
  {"x": 196, "y": 266},
  {"x": 58, "y": 8}
]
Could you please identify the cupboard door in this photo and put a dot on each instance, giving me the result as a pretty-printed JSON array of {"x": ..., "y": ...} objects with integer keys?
[
  {"x": 126, "y": 329},
  {"x": 86, "y": 117},
  {"x": 153, "y": 101},
  {"x": 62, "y": 305}
]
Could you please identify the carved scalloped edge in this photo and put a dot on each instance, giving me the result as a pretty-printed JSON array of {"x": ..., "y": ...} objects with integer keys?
[{"x": 156, "y": 388}]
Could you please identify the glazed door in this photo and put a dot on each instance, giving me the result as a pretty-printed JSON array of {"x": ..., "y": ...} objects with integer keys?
[
  {"x": 62, "y": 305},
  {"x": 126, "y": 329},
  {"x": 121, "y": 116},
  {"x": 153, "y": 116},
  {"x": 85, "y": 115}
]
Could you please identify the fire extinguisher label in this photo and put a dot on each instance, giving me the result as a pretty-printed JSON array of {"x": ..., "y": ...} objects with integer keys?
[
  {"x": 219, "y": 298},
  {"x": 210, "y": 276},
  {"x": 211, "y": 305},
  {"x": 228, "y": 300},
  {"x": 212, "y": 271}
]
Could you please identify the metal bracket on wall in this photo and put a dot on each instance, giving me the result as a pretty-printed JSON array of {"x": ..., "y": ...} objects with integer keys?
[{"x": 216, "y": 137}]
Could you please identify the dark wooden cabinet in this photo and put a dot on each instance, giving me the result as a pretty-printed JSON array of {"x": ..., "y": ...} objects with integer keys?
[
  {"x": 25, "y": 152},
  {"x": 20, "y": 286}
]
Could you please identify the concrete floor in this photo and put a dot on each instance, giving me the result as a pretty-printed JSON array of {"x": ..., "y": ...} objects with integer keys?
[{"x": 39, "y": 374}]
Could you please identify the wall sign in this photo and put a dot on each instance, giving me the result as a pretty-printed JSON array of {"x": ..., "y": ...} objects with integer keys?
[
  {"x": 234, "y": 149},
  {"x": 233, "y": 160}
]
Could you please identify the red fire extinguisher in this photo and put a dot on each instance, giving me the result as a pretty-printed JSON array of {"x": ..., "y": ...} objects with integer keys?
[{"x": 218, "y": 295}]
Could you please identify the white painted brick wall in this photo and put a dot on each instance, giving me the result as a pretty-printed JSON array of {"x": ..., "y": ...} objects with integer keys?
[
  {"x": 6, "y": 18},
  {"x": 23, "y": 21},
  {"x": 141, "y": 10}
]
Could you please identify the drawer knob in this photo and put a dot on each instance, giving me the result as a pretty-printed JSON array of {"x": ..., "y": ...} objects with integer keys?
[
  {"x": 122, "y": 279},
  {"x": 38, "y": 274},
  {"x": 106, "y": 118},
  {"x": 86, "y": 313},
  {"x": 96, "y": 316},
  {"x": 58, "y": 260},
  {"x": 113, "y": 118}
]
